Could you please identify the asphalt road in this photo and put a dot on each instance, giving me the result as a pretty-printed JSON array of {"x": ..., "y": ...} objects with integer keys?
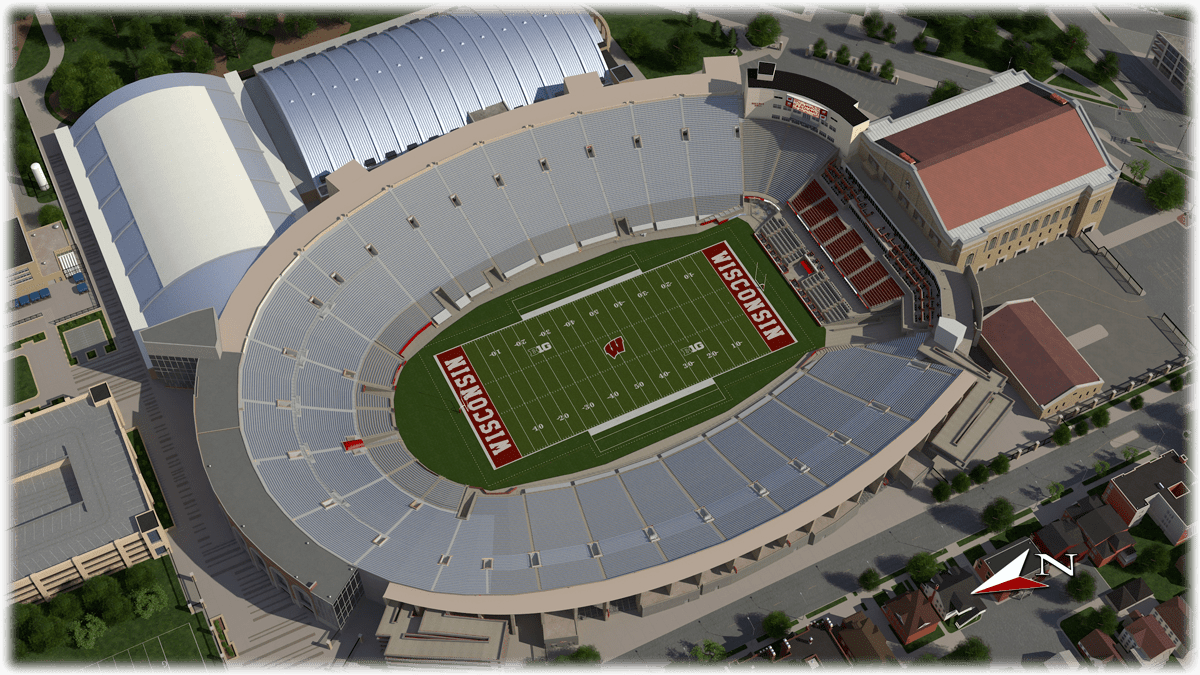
[{"x": 943, "y": 524}]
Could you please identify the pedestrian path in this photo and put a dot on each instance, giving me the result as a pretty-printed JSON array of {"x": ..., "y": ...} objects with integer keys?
[{"x": 1125, "y": 235}]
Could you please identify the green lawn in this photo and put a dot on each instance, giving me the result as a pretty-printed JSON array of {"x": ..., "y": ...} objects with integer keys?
[
  {"x": 1078, "y": 625},
  {"x": 439, "y": 435},
  {"x": 974, "y": 553},
  {"x": 966, "y": 540},
  {"x": 75, "y": 323},
  {"x": 24, "y": 387},
  {"x": 1052, "y": 500},
  {"x": 22, "y": 136},
  {"x": 910, "y": 648},
  {"x": 147, "y": 471},
  {"x": 1084, "y": 66},
  {"x": 1016, "y": 532},
  {"x": 658, "y": 29},
  {"x": 1067, "y": 83},
  {"x": 32, "y": 338},
  {"x": 182, "y": 646},
  {"x": 35, "y": 54},
  {"x": 881, "y": 598},
  {"x": 822, "y": 610},
  {"x": 1166, "y": 585}
]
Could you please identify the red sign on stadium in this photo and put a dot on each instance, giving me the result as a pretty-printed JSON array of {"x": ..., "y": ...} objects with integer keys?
[
  {"x": 497, "y": 444},
  {"x": 749, "y": 297},
  {"x": 806, "y": 108}
]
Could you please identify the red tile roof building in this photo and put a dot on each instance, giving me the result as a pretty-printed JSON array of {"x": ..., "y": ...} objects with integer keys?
[
  {"x": 1172, "y": 615},
  {"x": 995, "y": 171},
  {"x": 912, "y": 616},
  {"x": 1100, "y": 648},
  {"x": 1145, "y": 638},
  {"x": 1048, "y": 372}
]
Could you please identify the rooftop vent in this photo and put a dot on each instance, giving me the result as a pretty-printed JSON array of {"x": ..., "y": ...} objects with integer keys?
[
  {"x": 759, "y": 489},
  {"x": 594, "y": 549},
  {"x": 499, "y": 180},
  {"x": 487, "y": 563},
  {"x": 337, "y": 278},
  {"x": 444, "y": 559},
  {"x": 766, "y": 71},
  {"x": 908, "y": 158},
  {"x": 329, "y": 503},
  {"x": 651, "y": 534},
  {"x": 590, "y": 152},
  {"x": 416, "y": 504},
  {"x": 687, "y": 136},
  {"x": 544, "y": 164},
  {"x": 455, "y": 201},
  {"x": 704, "y": 514},
  {"x": 315, "y": 301},
  {"x": 637, "y": 141},
  {"x": 535, "y": 559},
  {"x": 412, "y": 220},
  {"x": 287, "y": 351},
  {"x": 1058, "y": 99},
  {"x": 799, "y": 466},
  {"x": 371, "y": 249},
  {"x": 379, "y": 540},
  {"x": 295, "y": 454}
]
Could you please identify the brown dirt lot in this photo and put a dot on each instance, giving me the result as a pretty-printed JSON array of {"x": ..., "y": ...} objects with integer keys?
[{"x": 286, "y": 44}]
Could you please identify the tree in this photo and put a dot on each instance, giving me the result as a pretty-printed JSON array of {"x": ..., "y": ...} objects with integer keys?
[
  {"x": 635, "y": 43},
  {"x": 961, "y": 482},
  {"x": 1108, "y": 67},
  {"x": 953, "y": 31},
  {"x": 1137, "y": 402},
  {"x": 1130, "y": 453},
  {"x": 1082, "y": 587},
  {"x": 873, "y": 23},
  {"x": 42, "y": 632},
  {"x": 692, "y": 17},
  {"x": 49, "y": 214},
  {"x": 709, "y": 652},
  {"x": 1137, "y": 168},
  {"x": 683, "y": 48},
  {"x": 941, "y": 491},
  {"x": 732, "y": 38},
  {"x": 1039, "y": 60},
  {"x": 141, "y": 33},
  {"x": 262, "y": 23},
  {"x": 1101, "y": 468},
  {"x": 1055, "y": 489},
  {"x": 1081, "y": 427},
  {"x": 1153, "y": 558},
  {"x": 70, "y": 27},
  {"x": 1166, "y": 191},
  {"x": 763, "y": 30},
  {"x": 231, "y": 37},
  {"x": 102, "y": 596},
  {"x": 149, "y": 600},
  {"x": 72, "y": 96},
  {"x": 1000, "y": 464},
  {"x": 998, "y": 516},
  {"x": 1101, "y": 418},
  {"x": 584, "y": 654},
  {"x": 981, "y": 31},
  {"x": 172, "y": 25},
  {"x": 843, "y": 55},
  {"x": 1072, "y": 43},
  {"x": 819, "y": 48},
  {"x": 1062, "y": 435},
  {"x": 889, "y": 33},
  {"x": 869, "y": 579},
  {"x": 1106, "y": 620},
  {"x": 717, "y": 32},
  {"x": 776, "y": 625},
  {"x": 945, "y": 89},
  {"x": 86, "y": 631},
  {"x": 980, "y": 474},
  {"x": 197, "y": 55},
  {"x": 153, "y": 63},
  {"x": 971, "y": 650},
  {"x": 300, "y": 24},
  {"x": 865, "y": 62},
  {"x": 920, "y": 43},
  {"x": 65, "y": 606},
  {"x": 1176, "y": 382},
  {"x": 921, "y": 567}
]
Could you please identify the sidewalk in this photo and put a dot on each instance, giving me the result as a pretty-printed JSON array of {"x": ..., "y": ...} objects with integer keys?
[
  {"x": 1127, "y": 234},
  {"x": 32, "y": 91}
]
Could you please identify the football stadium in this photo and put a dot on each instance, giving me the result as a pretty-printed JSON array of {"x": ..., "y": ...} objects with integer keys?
[{"x": 542, "y": 340}]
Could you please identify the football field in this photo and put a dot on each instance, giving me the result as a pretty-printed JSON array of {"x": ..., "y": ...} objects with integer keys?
[{"x": 611, "y": 353}]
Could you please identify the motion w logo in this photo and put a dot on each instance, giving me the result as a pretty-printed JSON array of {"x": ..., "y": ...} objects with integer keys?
[{"x": 615, "y": 346}]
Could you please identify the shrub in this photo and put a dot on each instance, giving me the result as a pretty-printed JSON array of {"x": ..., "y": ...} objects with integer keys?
[
  {"x": 692, "y": 17},
  {"x": 683, "y": 48},
  {"x": 1106, "y": 620},
  {"x": 763, "y": 30},
  {"x": 232, "y": 37},
  {"x": 1055, "y": 489},
  {"x": 980, "y": 474},
  {"x": 731, "y": 38},
  {"x": 49, "y": 214},
  {"x": 999, "y": 515},
  {"x": 819, "y": 49},
  {"x": 945, "y": 89},
  {"x": 149, "y": 600},
  {"x": 919, "y": 43},
  {"x": 1062, "y": 435},
  {"x": 197, "y": 55},
  {"x": 70, "y": 27},
  {"x": 102, "y": 596},
  {"x": 42, "y": 632},
  {"x": 85, "y": 632},
  {"x": 961, "y": 482},
  {"x": 1000, "y": 464},
  {"x": 1073, "y": 42},
  {"x": 888, "y": 70},
  {"x": 1082, "y": 587},
  {"x": 921, "y": 567},
  {"x": 889, "y": 33},
  {"x": 584, "y": 654},
  {"x": 865, "y": 62},
  {"x": 65, "y": 606},
  {"x": 1153, "y": 558},
  {"x": 942, "y": 491},
  {"x": 873, "y": 23},
  {"x": 869, "y": 580},
  {"x": 708, "y": 652},
  {"x": 1108, "y": 67},
  {"x": 635, "y": 44},
  {"x": 843, "y": 55},
  {"x": 1081, "y": 427},
  {"x": 776, "y": 625},
  {"x": 1176, "y": 382},
  {"x": 153, "y": 63},
  {"x": 1137, "y": 402},
  {"x": 1101, "y": 418},
  {"x": 717, "y": 32},
  {"x": 981, "y": 31},
  {"x": 1101, "y": 468},
  {"x": 1167, "y": 190},
  {"x": 138, "y": 576},
  {"x": 299, "y": 24},
  {"x": 973, "y": 649}
]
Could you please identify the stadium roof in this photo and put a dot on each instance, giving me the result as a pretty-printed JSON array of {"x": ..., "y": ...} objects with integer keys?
[
  {"x": 75, "y": 486},
  {"x": 996, "y": 150},
  {"x": 1035, "y": 351},
  {"x": 178, "y": 190},
  {"x": 392, "y": 91}
]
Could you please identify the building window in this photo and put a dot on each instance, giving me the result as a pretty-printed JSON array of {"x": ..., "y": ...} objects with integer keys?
[
  {"x": 872, "y": 163},
  {"x": 1054, "y": 218},
  {"x": 1066, "y": 213},
  {"x": 175, "y": 371},
  {"x": 907, "y": 183},
  {"x": 1013, "y": 234},
  {"x": 1004, "y": 240},
  {"x": 1025, "y": 230},
  {"x": 970, "y": 259},
  {"x": 1097, "y": 206},
  {"x": 992, "y": 244},
  {"x": 277, "y": 580}
]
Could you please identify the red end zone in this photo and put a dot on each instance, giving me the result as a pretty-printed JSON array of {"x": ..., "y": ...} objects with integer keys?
[
  {"x": 758, "y": 309},
  {"x": 478, "y": 407}
]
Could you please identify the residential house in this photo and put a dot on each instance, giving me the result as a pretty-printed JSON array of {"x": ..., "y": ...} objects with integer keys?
[
  {"x": 951, "y": 595},
  {"x": 1124, "y": 597},
  {"x": 814, "y": 646},
  {"x": 862, "y": 640},
  {"x": 1099, "y": 648},
  {"x": 987, "y": 567},
  {"x": 1106, "y": 537},
  {"x": 1146, "y": 639},
  {"x": 1159, "y": 489},
  {"x": 1173, "y": 616},
  {"x": 912, "y": 616},
  {"x": 1059, "y": 540}
]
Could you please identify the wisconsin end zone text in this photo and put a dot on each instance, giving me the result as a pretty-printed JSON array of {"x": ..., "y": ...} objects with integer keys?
[
  {"x": 478, "y": 407},
  {"x": 752, "y": 301}
]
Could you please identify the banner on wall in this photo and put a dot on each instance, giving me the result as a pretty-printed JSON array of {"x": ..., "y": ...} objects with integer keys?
[{"x": 806, "y": 108}]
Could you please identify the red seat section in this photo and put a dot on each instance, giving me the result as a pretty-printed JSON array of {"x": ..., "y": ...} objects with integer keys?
[
  {"x": 888, "y": 290},
  {"x": 821, "y": 211},
  {"x": 853, "y": 262},
  {"x": 807, "y": 268},
  {"x": 867, "y": 278},
  {"x": 352, "y": 445},
  {"x": 829, "y": 230},
  {"x": 809, "y": 196},
  {"x": 844, "y": 244}
]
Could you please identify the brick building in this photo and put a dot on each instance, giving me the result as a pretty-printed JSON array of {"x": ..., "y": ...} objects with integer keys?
[
  {"x": 987, "y": 567},
  {"x": 912, "y": 616},
  {"x": 1146, "y": 639},
  {"x": 1159, "y": 489}
]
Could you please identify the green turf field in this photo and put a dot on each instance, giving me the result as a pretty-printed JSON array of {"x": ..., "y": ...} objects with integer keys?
[{"x": 680, "y": 325}]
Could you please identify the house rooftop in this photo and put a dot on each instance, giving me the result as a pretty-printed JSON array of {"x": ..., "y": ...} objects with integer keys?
[
  {"x": 1175, "y": 614},
  {"x": 1101, "y": 524},
  {"x": 1035, "y": 351},
  {"x": 1168, "y": 477},
  {"x": 1129, "y": 594},
  {"x": 1149, "y": 635},
  {"x": 915, "y": 611},
  {"x": 1061, "y": 537},
  {"x": 1004, "y": 556},
  {"x": 1099, "y": 646},
  {"x": 863, "y": 639}
]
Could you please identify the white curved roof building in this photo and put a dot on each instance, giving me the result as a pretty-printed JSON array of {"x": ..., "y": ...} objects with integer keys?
[{"x": 180, "y": 191}]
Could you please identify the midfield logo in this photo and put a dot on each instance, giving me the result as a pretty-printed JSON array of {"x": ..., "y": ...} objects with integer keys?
[
  {"x": 615, "y": 346},
  {"x": 1009, "y": 577}
]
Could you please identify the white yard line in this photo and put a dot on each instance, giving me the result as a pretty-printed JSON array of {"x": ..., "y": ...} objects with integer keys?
[{"x": 582, "y": 294}]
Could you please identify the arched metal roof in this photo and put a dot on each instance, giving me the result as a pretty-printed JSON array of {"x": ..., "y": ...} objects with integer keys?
[{"x": 389, "y": 92}]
